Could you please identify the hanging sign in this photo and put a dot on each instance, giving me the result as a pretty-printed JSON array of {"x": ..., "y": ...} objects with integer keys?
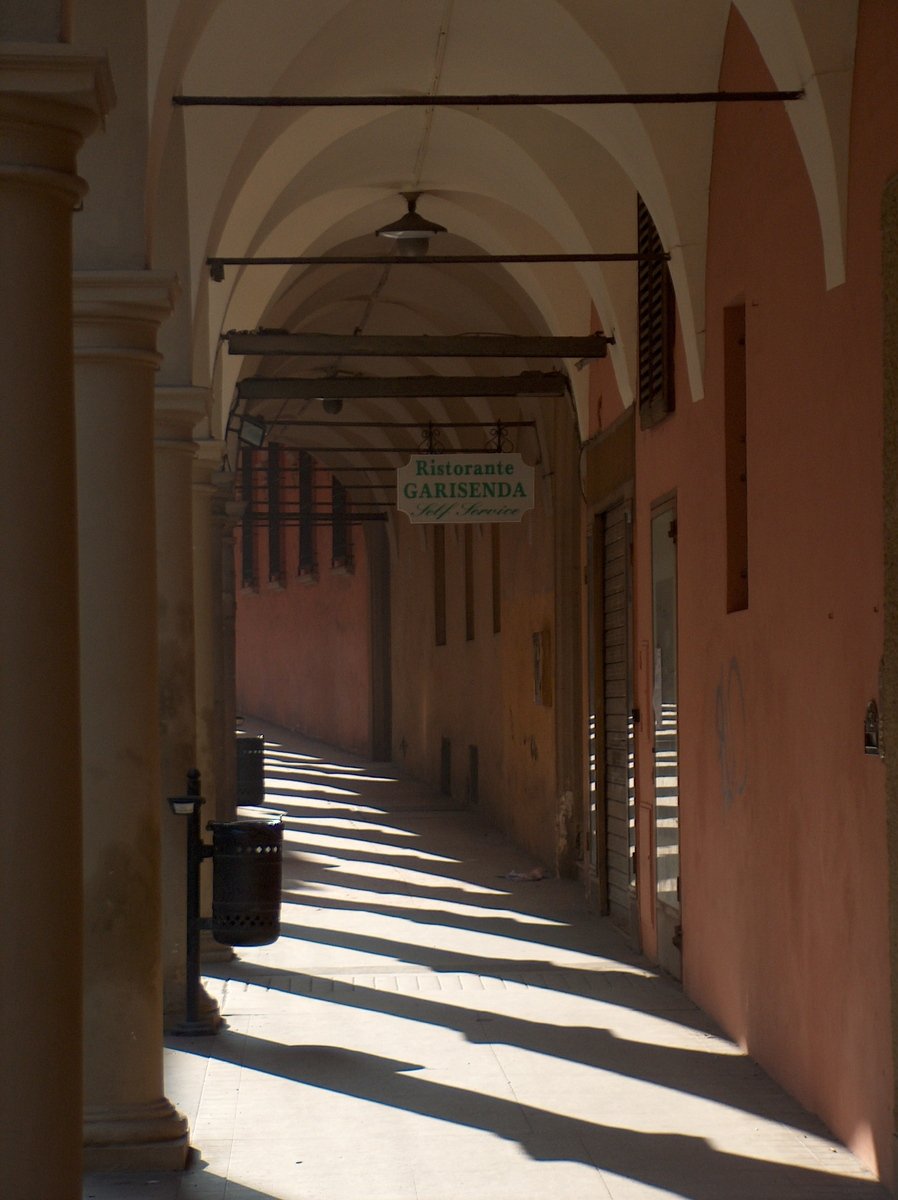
[{"x": 464, "y": 489}]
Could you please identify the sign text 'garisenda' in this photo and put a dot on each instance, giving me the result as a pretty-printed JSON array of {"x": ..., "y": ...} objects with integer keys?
[{"x": 465, "y": 488}]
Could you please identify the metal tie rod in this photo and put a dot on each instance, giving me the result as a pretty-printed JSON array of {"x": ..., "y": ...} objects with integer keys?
[
  {"x": 217, "y": 265},
  {"x": 330, "y": 424},
  {"x": 487, "y": 345},
  {"x": 487, "y": 100},
  {"x": 532, "y": 383}
]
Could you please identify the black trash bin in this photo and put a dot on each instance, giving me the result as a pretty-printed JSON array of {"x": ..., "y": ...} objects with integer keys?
[
  {"x": 250, "y": 768},
  {"x": 246, "y": 880}
]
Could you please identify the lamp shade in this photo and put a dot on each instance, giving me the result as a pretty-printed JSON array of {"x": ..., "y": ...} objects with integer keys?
[{"x": 411, "y": 232}]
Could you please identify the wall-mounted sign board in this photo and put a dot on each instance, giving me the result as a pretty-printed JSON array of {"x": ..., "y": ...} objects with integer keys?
[{"x": 466, "y": 489}]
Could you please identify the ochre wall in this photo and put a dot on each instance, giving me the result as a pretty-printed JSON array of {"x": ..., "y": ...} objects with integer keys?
[
  {"x": 783, "y": 865},
  {"x": 479, "y": 692},
  {"x": 303, "y": 657}
]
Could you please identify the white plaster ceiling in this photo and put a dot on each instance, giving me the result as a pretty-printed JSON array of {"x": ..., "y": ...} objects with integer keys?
[{"x": 502, "y": 180}]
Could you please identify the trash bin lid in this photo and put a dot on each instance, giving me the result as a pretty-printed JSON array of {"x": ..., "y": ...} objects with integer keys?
[{"x": 249, "y": 812}]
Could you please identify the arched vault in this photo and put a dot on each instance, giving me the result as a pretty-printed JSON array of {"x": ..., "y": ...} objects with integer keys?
[{"x": 543, "y": 179}]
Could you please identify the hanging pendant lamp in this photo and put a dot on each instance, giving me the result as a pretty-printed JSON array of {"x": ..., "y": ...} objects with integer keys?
[{"x": 412, "y": 232}]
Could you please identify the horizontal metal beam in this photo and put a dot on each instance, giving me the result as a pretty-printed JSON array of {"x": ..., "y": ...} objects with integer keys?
[
  {"x": 492, "y": 100},
  {"x": 367, "y": 470},
  {"x": 217, "y": 265},
  {"x": 532, "y": 383},
  {"x": 487, "y": 345},
  {"x": 315, "y": 518},
  {"x": 382, "y": 450},
  {"x": 423, "y": 426}
]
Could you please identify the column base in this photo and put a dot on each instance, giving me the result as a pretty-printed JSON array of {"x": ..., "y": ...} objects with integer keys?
[
  {"x": 136, "y": 1137},
  {"x": 208, "y": 1011},
  {"x": 214, "y": 952}
]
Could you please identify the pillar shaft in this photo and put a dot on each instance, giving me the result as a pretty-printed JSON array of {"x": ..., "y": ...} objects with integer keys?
[
  {"x": 208, "y": 627},
  {"x": 231, "y": 511},
  {"x": 50, "y": 99},
  {"x": 207, "y": 615},
  {"x": 178, "y": 411},
  {"x": 128, "y": 1122}
]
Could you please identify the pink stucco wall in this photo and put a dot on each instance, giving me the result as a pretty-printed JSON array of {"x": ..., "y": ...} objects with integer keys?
[
  {"x": 784, "y": 870},
  {"x": 303, "y": 657}
]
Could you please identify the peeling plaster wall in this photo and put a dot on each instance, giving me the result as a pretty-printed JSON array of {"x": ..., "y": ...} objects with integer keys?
[{"x": 784, "y": 869}]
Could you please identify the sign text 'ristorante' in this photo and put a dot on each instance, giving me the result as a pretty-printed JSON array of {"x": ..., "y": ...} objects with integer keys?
[{"x": 463, "y": 489}]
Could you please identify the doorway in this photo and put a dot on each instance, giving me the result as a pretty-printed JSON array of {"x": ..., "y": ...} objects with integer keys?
[
  {"x": 665, "y": 750},
  {"x": 612, "y": 747}
]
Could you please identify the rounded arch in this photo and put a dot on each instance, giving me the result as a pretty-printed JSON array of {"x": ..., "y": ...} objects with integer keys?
[{"x": 812, "y": 47}]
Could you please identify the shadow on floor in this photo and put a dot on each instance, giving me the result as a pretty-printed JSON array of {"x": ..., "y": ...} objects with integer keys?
[{"x": 687, "y": 1166}]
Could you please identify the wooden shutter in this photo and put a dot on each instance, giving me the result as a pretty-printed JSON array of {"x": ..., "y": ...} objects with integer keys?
[{"x": 656, "y": 325}]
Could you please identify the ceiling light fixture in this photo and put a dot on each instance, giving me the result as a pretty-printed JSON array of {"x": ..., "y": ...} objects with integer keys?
[{"x": 412, "y": 233}]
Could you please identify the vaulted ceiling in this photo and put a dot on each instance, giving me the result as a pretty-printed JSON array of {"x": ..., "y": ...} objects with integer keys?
[{"x": 249, "y": 181}]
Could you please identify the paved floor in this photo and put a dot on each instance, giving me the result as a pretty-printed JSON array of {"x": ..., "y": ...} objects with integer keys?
[{"x": 428, "y": 1028}]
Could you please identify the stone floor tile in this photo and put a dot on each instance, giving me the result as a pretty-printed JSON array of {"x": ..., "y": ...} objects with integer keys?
[{"x": 428, "y": 1029}]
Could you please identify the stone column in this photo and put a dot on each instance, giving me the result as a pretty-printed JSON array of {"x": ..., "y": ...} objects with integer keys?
[
  {"x": 208, "y": 613},
  {"x": 230, "y": 516},
  {"x": 178, "y": 411},
  {"x": 207, "y": 592},
  {"x": 128, "y": 1122},
  {"x": 50, "y": 100}
]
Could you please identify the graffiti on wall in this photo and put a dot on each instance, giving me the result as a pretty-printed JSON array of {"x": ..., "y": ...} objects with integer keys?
[{"x": 731, "y": 737}]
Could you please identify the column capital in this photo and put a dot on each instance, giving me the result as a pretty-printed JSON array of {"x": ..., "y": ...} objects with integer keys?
[
  {"x": 117, "y": 315},
  {"x": 111, "y": 296},
  {"x": 178, "y": 411},
  {"x": 59, "y": 74},
  {"x": 51, "y": 98},
  {"x": 61, "y": 88}
]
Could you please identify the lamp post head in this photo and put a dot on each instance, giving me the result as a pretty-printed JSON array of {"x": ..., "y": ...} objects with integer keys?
[{"x": 185, "y": 806}]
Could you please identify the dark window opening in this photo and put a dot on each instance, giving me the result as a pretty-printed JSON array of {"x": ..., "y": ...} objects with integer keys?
[
  {"x": 308, "y": 558},
  {"x": 439, "y": 584},
  {"x": 249, "y": 574},
  {"x": 469, "y": 584},
  {"x": 275, "y": 524},
  {"x": 341, "y": 545},
  {"x": 496, "y": 566}
]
